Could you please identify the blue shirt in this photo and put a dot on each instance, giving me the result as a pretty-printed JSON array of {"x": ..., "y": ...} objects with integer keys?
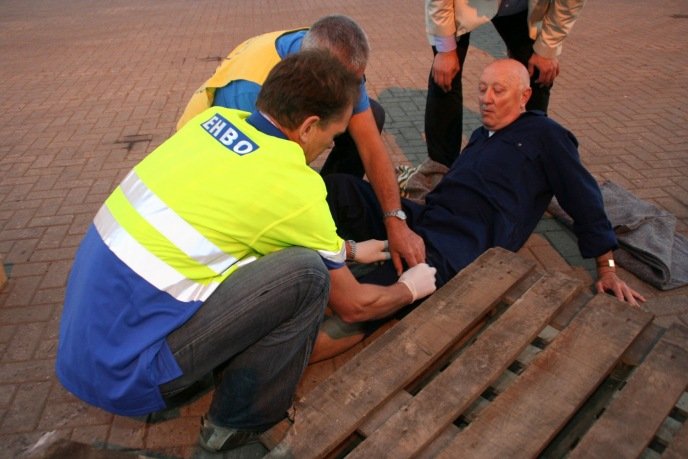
[
  {"x": 242, "y": 94},
  {"x": 498, "y": 189}
]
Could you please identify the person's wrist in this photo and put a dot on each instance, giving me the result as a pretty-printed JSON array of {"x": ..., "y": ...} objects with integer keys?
[
  {"x": 601, "y": 272},
  {"x": 394, "y": 222},
  {"x": 409, "y": 288},
  {"x": 350, "y": 247},
  {"x": 606, "y": 265},
  {"x": 445, "y": 44}
]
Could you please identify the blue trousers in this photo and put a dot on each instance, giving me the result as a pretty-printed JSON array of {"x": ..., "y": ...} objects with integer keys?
[{"x": 256, "y": 331}]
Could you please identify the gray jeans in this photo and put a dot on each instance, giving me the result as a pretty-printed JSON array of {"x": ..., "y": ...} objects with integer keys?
[{"x": 257, "y": 329}]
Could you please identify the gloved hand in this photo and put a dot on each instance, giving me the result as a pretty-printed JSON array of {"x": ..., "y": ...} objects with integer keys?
[
  {"x": 371, "y": 251},
  {"x": 420, "y": 280}
]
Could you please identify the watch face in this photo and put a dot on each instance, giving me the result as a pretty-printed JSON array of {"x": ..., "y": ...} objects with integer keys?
[{"x": 400, "y": 214}]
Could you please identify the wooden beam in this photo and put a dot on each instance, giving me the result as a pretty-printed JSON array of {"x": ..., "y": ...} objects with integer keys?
[
  {"x": 332, "y": 411},
  {"x": 521, "y": 421},
  {"x": 628, "y": 425},
  {"x": 452, "y": 391}
]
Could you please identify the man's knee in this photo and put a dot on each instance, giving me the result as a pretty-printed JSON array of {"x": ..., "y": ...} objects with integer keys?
[{"x": 308, "y": 263}]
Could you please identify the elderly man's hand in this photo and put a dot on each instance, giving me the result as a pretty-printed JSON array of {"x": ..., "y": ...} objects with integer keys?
[
  {"x": 548, "y": 68},
  {"x": 610, "y": 282}
]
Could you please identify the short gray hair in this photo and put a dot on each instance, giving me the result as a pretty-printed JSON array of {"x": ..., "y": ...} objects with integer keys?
[
  {"x": 343, "y": 37},
  {"x": 310, "y": 82}
]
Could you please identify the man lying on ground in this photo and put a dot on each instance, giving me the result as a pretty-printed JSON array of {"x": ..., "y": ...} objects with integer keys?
[{"x": 493, "y": 195}]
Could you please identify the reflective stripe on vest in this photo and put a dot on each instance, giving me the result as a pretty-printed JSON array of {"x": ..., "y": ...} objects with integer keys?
[
  {"x": 173, "y": 227},
  {"x": 180, "y": 234},
  {"x": 148, "y": 266}
]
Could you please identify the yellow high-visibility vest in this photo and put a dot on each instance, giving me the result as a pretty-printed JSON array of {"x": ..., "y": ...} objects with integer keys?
[
  {"x": 241, "y": 64},
  {"x": 216, "y": 195}
]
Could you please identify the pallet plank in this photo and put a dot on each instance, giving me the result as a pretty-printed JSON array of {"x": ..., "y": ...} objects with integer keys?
[
  {"x": 452, "y": 391},
  {"x": 386, "y": 411},
  {"x": 678, "y": 449},
  {"x": 333, "y": 410},
  {"x": 522, "y": 420},
  {"x": 629, "y": 423}
]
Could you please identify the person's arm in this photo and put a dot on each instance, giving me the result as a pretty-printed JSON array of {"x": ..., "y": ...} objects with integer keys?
[
  {"x": 355, "y": 302},
  {"x": 440, "y": 26},
  {"x": 445, "y": 66},
  {"x": 580, "y": 196},
  {"x": 608, "y": 281},
  {"x": 557, "y": 22},
  {"x": 440, "y": 21},
  {"x": 352, "y": 305},
  {"x": 403, "y": 243}
]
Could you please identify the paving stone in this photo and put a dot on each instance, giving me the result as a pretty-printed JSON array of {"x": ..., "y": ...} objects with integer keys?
[
  {"x": 90, "y": 88},
  {"x": 25, "y": 411},
  {"x": 24, "y": 344}
]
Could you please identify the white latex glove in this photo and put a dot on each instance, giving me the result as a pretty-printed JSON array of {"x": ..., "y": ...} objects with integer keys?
[
  {"x": 420, "y": 280},
  {"x": 371, "y": 251}
]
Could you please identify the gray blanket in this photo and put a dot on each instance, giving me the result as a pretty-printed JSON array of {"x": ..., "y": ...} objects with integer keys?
[{"x": 649, "y": 246}]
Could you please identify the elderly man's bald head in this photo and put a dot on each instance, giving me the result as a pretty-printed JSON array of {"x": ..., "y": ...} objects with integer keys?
[
  {"x": 511, "y": 69},
  {"x": 503, "y": 92}
]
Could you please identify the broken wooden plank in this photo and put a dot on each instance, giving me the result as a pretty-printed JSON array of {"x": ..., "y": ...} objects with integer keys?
[
  {"x": 521, "y": 421},
  {"x": 333, "y": 410},
  {"x": 630, "y": 422},
  {"x": 453, "y": 390}
]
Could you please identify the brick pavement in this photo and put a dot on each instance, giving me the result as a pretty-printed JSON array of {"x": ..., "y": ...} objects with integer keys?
[{"x": 88, "y": 88}]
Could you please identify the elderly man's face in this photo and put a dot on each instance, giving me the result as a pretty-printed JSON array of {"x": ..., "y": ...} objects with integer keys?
[{"x": 501, "y": 94}]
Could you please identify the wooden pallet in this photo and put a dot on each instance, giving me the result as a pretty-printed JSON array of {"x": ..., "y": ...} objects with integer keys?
[{"x": 503, "y": 361}]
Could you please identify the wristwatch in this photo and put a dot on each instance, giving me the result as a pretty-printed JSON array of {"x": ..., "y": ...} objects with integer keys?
[{"x": 398, "y": 213}]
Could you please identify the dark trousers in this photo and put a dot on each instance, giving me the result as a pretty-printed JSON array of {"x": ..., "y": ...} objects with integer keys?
[
  {"x": 256, "y": 331},
  {"x": 344, "y": 157},
  {"x": 444, "y": 110},
  {"x": 358, "y": 216}
]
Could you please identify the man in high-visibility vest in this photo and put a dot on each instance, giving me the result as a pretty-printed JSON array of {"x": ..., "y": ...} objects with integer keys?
[
  {"x": 208, "y": 258},
  {"x": 359, "y": 150}
]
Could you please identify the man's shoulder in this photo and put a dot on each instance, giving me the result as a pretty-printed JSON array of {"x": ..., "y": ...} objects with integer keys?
[
  {"x": 537, "y": 125},
  {"x": 290, "y": 42},
  {"x": 537, "y": 119}
]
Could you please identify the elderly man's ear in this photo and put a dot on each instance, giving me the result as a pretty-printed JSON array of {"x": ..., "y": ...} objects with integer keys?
[{"x": 525, "y": 97}]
